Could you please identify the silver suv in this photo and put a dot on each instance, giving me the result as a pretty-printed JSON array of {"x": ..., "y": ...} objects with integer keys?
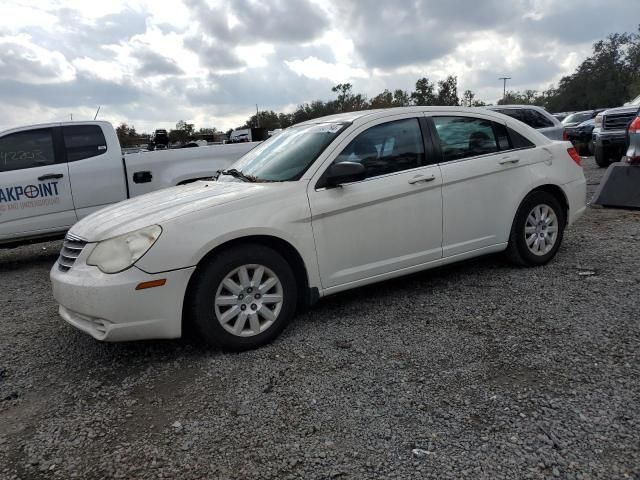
[{"x": 535, "y": 117}]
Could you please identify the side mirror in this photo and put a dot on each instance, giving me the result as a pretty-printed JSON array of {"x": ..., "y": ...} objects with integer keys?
[{"x": 345, "y": 172}]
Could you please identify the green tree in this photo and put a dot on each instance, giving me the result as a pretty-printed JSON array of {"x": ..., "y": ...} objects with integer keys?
[
  {"x": 424, "y": 94},
  {"x": 182, "y": 133},
  {"x": 448, "y": 92},
  {"x": 127, "y": 135}
]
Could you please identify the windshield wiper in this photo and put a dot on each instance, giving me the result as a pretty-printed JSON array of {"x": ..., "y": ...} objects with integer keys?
[{"x": 237, "y": 174}]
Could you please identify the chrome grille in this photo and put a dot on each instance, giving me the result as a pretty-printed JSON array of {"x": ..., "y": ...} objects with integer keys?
[
  {"x": 71, "y": 249},
  {"x": 618, "y": 121}
]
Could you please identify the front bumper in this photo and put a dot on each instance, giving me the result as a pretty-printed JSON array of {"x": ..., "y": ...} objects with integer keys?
[
  {"x": 610, "y": 138},
  {"x": 109, "y": 308}
]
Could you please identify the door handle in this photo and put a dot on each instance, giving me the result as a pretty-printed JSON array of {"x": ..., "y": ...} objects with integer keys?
[
  {"x": 51, "y": 176},
  {"x": 422, "y": 178},
  {"x": 508, "y": 160},
  {"x": 142, "y": 177}
]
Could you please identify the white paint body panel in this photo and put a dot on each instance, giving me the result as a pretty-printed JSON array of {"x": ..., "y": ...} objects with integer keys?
[{"x": 360, "y": 233}]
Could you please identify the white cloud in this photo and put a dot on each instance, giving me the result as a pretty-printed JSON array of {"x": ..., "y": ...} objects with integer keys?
[{"x": 154, "y": 62}]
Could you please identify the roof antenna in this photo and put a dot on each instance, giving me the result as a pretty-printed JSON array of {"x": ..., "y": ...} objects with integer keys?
[{"x": 97, "y": 111}]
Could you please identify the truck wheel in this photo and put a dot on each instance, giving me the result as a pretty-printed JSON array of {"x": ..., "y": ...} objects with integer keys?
[
  {"x": 602, "y": 157},
  {"x": 242, "y": 299},
  {"x": 537, "y": 230}
]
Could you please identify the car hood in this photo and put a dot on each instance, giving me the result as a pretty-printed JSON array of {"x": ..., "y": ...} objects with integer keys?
[
  {"x": 628, "y": 109},
  {"x": 158, "y": 207}
]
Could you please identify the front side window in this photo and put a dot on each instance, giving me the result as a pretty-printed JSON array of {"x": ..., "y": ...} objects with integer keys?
[
  {"x": 387, "y": 148},
  {"x": 28, "y": 149},
  {"x": 462, "y": 137},
  {"x": 286, "y": 156},
  {"x": 83, "y": 141}
]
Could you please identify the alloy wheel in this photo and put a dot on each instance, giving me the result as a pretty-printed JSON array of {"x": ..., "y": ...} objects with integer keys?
[{"x": 248, "y": 300}]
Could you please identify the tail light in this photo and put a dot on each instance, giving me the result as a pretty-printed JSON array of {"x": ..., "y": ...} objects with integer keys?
[
  {"x": 565, "y": 135},
  {"x": 574, "y": 155},
  {"x": 634, "y": 127}
]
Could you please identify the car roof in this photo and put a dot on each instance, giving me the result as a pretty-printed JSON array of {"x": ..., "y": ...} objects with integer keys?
[{"x": 363, "y": 116}]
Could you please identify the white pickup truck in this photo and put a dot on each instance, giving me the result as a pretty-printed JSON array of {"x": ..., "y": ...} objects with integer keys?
[{"x": 52, "y": 175}]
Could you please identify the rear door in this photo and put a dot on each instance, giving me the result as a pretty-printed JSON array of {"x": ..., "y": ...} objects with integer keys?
[
  {"x": 483, "y": 177},
  {"x": 35, "y": 193},
  {"x": 96, "y": 171}
]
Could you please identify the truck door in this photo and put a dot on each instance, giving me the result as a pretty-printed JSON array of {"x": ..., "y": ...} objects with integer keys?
[
  {"x": 95, "y": 166},
  {"x": 35, "y": 193}
]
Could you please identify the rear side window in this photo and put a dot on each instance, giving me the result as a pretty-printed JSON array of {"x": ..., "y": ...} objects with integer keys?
[
  {"x": 28, "y": 149},
  {"x": 462, "y": 137},
  {"x": 387, "y": 148},
  {"x": 518, "y": 141},
  {"x": 83, "y": 141}
]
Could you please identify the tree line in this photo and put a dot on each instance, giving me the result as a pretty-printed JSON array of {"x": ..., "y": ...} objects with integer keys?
[{"x": 609, "y": 77}]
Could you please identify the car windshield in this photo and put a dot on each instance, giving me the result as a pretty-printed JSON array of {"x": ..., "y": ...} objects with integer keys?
[
  {"x": 287, "y": 156},
  {"x": 635, "y": 102},
  {"x": 577, "y": 117}
]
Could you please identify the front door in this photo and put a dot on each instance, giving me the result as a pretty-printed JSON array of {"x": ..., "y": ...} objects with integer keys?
[
  {"x": 388, "y": 222},
  {"x": 35, "y": 194}
]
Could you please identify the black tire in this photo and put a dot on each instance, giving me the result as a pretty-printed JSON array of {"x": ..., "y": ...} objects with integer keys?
[
  {"x": 602, "y": 157},
  {"x": 518, "y": 252},
  {"x": 200, "y": 308}
]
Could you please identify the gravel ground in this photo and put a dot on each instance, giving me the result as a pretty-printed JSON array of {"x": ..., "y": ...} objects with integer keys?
[{"x": 479, "y": 370}]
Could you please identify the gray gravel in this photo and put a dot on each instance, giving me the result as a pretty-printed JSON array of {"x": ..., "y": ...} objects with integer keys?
[{"x": 479, "y": 370}]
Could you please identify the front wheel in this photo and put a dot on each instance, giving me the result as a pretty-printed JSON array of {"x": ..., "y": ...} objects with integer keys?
[
  {"x": 536, "y": 233},
  {"x": 242, "y": 298}
]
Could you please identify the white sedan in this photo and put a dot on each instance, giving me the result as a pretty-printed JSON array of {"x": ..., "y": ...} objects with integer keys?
[{"x": 325, "y": 206}]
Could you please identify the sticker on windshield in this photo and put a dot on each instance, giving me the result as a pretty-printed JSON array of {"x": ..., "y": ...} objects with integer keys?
[{"x": 329, "y": 128}]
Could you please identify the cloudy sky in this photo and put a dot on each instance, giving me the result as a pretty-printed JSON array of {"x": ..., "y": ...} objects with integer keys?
[{"x": 151, "y": 63}]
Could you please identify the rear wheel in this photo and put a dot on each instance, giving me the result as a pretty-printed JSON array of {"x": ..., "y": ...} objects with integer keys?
[
  {"x": 537, "y": 231},
  {"x": 243, "y": 298}
]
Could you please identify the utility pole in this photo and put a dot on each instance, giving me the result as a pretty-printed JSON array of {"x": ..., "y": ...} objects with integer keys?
[{"x": 504, "y": 85}]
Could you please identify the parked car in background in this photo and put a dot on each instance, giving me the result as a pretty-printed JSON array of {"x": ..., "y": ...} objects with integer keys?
[
  {"x": 535, "y": 117},
  {"x": 581, "y": 137},
  {"x": 159, "y": 140},
  {"x": 610, "y": 132},
  {"x": 576, "y": 118},
  {"x": 562, "y": 115},
  {"x": 324, "y": 206},
  {"x": 52, "y": 175}
]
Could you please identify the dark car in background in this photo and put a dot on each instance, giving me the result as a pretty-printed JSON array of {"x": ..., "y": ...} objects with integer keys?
[
  {"x": 610, "y": 133},
  {"x": 578, "y": 128},
  {"x": 581, "y": 137},
  {"x": 576, "y": 118}
]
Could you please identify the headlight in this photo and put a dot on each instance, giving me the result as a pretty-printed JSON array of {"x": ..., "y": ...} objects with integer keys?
[
  {"x": 119, "y": 253},
  {"x": 598, "y": 121}
]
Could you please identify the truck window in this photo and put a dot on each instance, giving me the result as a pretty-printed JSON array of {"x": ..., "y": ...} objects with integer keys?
[
  {"x": 83, "y": 141},
  {"x": 26, "y": 149}
]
